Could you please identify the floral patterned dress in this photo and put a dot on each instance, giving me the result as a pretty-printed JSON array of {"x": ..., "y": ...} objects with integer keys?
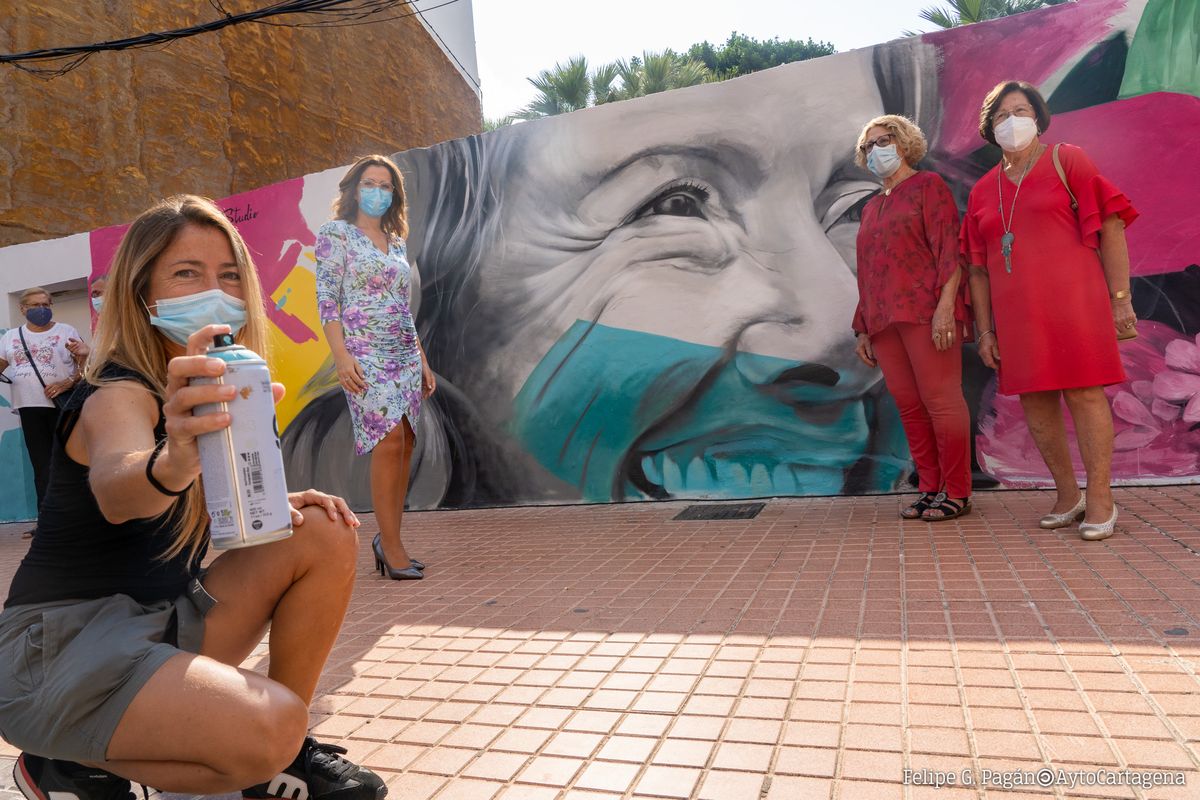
[{"x": 370, "y": 293}]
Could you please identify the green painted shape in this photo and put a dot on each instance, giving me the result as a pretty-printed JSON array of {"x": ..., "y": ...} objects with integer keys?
[
  {"x": 1165, "y": 55},
  {"x": 18, "y": 501}
]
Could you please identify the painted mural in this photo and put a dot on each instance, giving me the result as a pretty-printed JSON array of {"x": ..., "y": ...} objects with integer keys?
[{"x": 652, "y": 299}]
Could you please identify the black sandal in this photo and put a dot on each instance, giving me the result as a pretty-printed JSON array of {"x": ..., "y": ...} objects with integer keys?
[
  {"x": 917, "y": 509},
  {"x": 951, "y": 509}
]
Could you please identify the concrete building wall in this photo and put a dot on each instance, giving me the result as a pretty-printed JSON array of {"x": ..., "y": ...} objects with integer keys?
[{"x": 214, "y": 114}]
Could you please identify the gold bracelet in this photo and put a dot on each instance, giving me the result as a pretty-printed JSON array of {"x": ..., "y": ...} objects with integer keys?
[{"x": 1120, "y": 295}]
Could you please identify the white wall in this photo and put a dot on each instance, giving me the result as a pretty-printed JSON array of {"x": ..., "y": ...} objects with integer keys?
[{"x": 452, "y": 26}]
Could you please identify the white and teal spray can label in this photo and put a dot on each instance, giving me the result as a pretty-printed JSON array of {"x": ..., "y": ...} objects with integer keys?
[{"x": 242, "y": 466}]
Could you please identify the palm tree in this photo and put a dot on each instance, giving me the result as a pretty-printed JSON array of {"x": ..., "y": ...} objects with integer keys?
[
  {"x": 562, "y": 89},
  {"x": 604, "y": 89},
  {"x": 965, "y": 12},
  {"x": 570, "y": 87}
]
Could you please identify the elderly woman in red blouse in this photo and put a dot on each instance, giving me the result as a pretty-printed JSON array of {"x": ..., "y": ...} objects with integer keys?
[
  {"x": 911, "y": 318},
  {"x": 1049, "y": 275}
]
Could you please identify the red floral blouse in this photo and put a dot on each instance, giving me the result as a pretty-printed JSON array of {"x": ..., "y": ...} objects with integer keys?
[{"x": 907, "y": 250}]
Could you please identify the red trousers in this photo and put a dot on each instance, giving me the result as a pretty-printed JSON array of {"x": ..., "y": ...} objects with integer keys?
[{"x": 927, "y": 386}]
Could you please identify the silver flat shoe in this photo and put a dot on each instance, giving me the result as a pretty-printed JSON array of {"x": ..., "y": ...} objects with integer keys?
[
  {"x": 1075, "y": 514},
  {"x": 1097, "y": 531}
]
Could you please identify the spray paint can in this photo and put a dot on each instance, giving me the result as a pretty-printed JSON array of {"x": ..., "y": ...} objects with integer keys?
[{"x": 242, "y": 466}]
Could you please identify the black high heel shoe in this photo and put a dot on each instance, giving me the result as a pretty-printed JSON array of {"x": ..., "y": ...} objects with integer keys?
[{"x": 412, "y": 573}]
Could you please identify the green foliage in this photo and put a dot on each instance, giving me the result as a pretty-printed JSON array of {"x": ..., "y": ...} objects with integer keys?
[
  {"x": 966, "y": 12},
  {"x": 741, "y": 54},
  {"x": 490, "y": 124},
  {"x": 570, "y": 86}
]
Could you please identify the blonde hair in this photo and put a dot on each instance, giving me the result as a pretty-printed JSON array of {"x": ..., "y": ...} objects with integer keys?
[
  {"x": 909, "y": 139},
  {"x": 35, "y": 290},
  {"x": 394, "y": 221},
  {"x": 125, "y": 337}
]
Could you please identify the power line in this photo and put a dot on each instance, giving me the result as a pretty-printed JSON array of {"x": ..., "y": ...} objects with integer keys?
[
  {"x": 445, "y": 46},
  {"x": 333, "y": 13}
]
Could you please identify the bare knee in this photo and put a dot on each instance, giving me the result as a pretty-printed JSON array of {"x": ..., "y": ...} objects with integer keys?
[
  {"x": 1088, "y": 397},
  {"x": 332, "y": 544},
  {"x": 277, "y": 728}
]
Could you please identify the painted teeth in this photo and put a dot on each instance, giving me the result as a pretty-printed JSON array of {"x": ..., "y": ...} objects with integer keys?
[{"x": 718, "y": 477}]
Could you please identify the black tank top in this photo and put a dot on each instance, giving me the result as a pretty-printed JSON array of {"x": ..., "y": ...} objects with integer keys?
[{"x": 79, "y": 555}]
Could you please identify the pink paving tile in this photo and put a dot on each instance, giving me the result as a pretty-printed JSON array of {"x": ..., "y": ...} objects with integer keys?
[
  {"x": 644, "y": 724},
  {"x": 876, "y": 790},
  {"x": 551, "y": 770},
  {"x": 627, "y": 748},
  {"x": 573, "y": 744},
  {"x": 608, "y": 776},
  {"x": 442, "y": 760},
  {"x": 468, "y": 789},
  {"x": 496, "y": 766},
  {"x": 865, "y": 765},
  {"x": 815, "y": 761},
  {"x": 521, "y": 792},
  {"x": 750, "y": 757},
  {"x": 722, "y": 785},
  {"x": 684, "y": 752},
  {"x": 786, "y": 787},
  {"x": 662, "y": 781},
  {"x": 521, "y": 740}
]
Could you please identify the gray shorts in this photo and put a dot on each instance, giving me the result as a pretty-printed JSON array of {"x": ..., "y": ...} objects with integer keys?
[{"x": 69, "y": 669}]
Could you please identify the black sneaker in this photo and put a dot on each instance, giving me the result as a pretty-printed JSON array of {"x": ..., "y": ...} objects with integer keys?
[
  {"x": 319, "y": 773},
  {"x": 43, "y": 778}
]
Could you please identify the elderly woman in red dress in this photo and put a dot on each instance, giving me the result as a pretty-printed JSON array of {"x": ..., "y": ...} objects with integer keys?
[
  {"x": 1048, "y": 283},
  {"x": 911, "y": 318}
]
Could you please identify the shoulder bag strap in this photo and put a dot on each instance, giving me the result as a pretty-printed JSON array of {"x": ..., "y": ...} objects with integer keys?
[
  {"x": 1062, "y": 176},
  {"x": 29, "y": 355}
]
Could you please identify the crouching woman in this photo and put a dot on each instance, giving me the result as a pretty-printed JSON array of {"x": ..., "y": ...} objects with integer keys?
[{"x": 118, "y": 654}]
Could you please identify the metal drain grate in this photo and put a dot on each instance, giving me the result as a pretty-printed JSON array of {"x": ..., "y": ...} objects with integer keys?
[{"x": 722, "y": 511}]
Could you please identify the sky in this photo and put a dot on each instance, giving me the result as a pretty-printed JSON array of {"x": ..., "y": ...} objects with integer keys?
[{"x": 517, "y": 39}]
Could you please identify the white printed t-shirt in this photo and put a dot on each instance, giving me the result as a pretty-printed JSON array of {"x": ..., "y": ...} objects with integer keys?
[{"x": 54, "y": 361}]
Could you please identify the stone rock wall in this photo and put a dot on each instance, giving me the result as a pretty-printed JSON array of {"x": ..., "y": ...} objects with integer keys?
[{"x": 215, "y": 114}]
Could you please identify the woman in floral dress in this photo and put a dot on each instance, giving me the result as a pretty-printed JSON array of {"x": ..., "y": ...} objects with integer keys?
[{"x": 364, "y": 294}]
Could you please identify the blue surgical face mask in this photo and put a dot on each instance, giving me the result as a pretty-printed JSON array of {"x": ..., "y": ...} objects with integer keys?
[
  {"x": 180, "y": 317},
  {"x": 883, "y": 161},
  {"x": 39, "y": 315},
  {"x": 97, "y": 302},
  {"x": 374, "y": 201}
]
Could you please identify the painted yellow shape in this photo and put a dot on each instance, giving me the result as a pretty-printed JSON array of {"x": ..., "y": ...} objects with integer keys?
[{"x": 294, "y": 364}]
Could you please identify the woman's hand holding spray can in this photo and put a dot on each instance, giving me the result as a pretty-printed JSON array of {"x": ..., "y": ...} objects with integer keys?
[{"x": 241, "y": 466}]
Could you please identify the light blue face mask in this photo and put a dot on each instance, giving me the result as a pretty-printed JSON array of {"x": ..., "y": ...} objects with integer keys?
[
  {"x": 180, "y": 317},
  {"x": 97, "y": 302},
  {"x": 374, "y": 201},
  {"x": 883, "y": 161}
]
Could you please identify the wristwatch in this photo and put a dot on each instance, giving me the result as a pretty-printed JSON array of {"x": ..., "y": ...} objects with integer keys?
[{"x": 1120, "y": 294}]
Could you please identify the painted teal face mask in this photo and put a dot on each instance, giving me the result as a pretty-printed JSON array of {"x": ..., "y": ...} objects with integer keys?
[
  {"x": 180, "y": 317},
  {"x": 621, "y": 414}
]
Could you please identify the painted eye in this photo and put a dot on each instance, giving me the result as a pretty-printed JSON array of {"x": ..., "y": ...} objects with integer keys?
[{"x": 684, "y": 200}]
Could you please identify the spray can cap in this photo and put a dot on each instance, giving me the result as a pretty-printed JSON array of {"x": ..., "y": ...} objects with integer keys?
[{"x": 223, "y": 340}]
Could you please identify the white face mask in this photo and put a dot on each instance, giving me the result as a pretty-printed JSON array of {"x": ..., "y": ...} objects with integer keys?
[{"x": 1015, "y": 133}]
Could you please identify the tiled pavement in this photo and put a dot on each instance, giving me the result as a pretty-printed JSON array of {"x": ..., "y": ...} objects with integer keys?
[{"x": 819, "y": 650}]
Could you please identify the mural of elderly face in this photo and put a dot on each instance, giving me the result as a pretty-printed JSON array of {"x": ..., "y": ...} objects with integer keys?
[{"x": 663, "y": 304}]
